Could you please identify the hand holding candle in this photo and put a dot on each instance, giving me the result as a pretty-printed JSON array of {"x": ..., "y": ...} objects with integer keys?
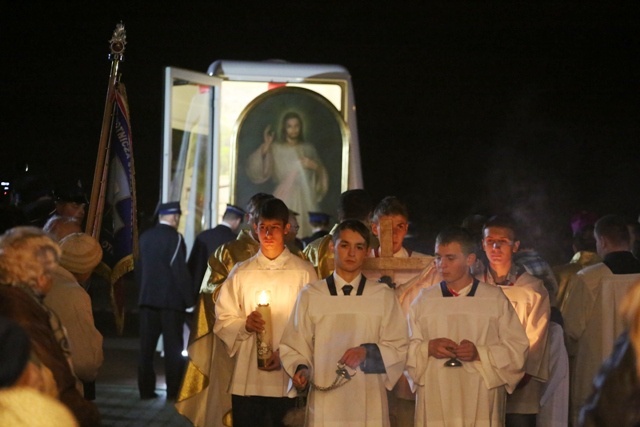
[
  {"x": 264, "y": 338},
  {"x": 254, "y": 322}
]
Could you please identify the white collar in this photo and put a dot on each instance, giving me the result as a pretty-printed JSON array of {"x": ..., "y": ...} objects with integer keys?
[
  {"x": 276, "y": 263},
  {"x": 340, "y": 282}
]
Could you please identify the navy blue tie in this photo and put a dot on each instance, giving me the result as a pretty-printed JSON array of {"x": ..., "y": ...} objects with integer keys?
[{"x": 347, "y": 289}]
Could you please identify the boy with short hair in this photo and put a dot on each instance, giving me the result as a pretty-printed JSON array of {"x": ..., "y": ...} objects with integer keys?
[
  {"x": 356, "y": 323},
  {"x": 261, "y": 392},
  {"x": 530, "y": 299},
  {"x": 474, "y": 322}
]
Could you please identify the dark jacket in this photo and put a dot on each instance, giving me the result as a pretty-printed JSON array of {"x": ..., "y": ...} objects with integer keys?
[
  {"x": 161, "y": 270},
  {"x": 206, "y": 243}
]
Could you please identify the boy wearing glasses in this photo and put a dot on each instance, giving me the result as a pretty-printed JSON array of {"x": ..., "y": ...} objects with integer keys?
[{"x": 530, "y": 300}]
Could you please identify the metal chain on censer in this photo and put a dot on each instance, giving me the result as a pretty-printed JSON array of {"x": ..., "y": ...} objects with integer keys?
[{"x": 342, "y": 377}]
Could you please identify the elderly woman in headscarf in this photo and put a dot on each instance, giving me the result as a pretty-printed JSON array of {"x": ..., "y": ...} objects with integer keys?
[{"x": 27, "y": 259}]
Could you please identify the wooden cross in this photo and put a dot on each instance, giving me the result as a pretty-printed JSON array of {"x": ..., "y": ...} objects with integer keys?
[{"x": 386, "y": 263}]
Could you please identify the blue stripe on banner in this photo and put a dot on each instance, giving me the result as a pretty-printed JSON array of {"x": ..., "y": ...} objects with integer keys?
[{"x": 119, "y": 231}]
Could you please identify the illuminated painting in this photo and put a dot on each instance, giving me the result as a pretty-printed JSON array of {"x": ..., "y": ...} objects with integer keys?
[{"x": 289, "y": 143}]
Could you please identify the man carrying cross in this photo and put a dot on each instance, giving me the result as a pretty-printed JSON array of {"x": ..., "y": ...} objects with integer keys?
[
  {"x": 395, "y": 211},
  {"x": 347, "y": 322},
  {"x": 391, "y": 224}
]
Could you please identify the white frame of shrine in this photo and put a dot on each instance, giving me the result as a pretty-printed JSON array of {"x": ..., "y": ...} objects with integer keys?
[{"x": 205, "y": 157}]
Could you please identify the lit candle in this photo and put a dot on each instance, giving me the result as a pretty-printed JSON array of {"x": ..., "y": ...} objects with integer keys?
[{"x": 264, "y": 339}]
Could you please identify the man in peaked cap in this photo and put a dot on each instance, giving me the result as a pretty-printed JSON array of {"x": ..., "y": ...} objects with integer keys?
[
  {"x": 168, "y": 208},
  {"x": 165, "y": 293},
  {"x": 208, "y": 241}
]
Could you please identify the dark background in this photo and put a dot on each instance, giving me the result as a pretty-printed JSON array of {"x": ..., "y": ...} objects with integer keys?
[{"x": 462, "y": 106}]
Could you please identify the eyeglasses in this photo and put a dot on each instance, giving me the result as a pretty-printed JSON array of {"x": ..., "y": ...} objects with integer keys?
[{"x": 497, "y": 244}]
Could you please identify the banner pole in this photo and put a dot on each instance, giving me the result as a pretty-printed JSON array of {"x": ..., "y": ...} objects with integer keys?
[{"x": 96, "y": 203}]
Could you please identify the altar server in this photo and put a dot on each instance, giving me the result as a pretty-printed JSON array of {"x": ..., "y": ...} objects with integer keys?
[
  {"x": 474, "y": 322},
  {"x": 347, "y": 322}
]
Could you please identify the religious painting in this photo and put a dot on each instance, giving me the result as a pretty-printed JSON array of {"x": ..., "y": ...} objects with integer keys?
[{"x": 291, "y": 142}]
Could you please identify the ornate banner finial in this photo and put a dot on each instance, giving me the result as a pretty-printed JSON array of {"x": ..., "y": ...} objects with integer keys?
[{"x": 118, "y": 41}]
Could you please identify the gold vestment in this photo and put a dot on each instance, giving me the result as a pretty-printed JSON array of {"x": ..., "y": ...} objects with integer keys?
[
  {"x": 196, "y": 377},
  {"x": 565, "y": 272}
]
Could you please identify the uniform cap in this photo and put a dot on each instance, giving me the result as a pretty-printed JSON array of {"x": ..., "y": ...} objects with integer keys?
[
  {"x": 319, "y": 217},
  {"x": 235, "y": 210},
  {"x": 169, "y": 208}
]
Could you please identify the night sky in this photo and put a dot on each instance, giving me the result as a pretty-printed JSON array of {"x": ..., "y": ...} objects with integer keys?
[{"x": 464, "y": 107}]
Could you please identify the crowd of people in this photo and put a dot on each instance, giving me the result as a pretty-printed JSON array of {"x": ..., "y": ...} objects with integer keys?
[
  {"x": 357, "y": 328},
  {"x": 512, "y": 354},
  {"x": 51, "y": 349}
]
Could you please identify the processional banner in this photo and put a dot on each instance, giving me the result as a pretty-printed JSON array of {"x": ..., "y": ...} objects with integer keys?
[{"x": 119, "y": 233}]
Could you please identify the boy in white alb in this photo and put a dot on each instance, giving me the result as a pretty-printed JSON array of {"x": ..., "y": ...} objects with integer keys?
[
  {"x": 261, "y": 395},
  {"x": 469, "y": 320},
  {"x": 530, "y": 299},
  {"x": 347, "y": 320}
]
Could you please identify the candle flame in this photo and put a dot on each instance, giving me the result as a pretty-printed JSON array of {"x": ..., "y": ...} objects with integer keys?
[{"x": 264, "y": 297}]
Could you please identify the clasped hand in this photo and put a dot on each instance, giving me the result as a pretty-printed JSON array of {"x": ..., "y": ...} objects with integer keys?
[{"x": 444, "y": 348}]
